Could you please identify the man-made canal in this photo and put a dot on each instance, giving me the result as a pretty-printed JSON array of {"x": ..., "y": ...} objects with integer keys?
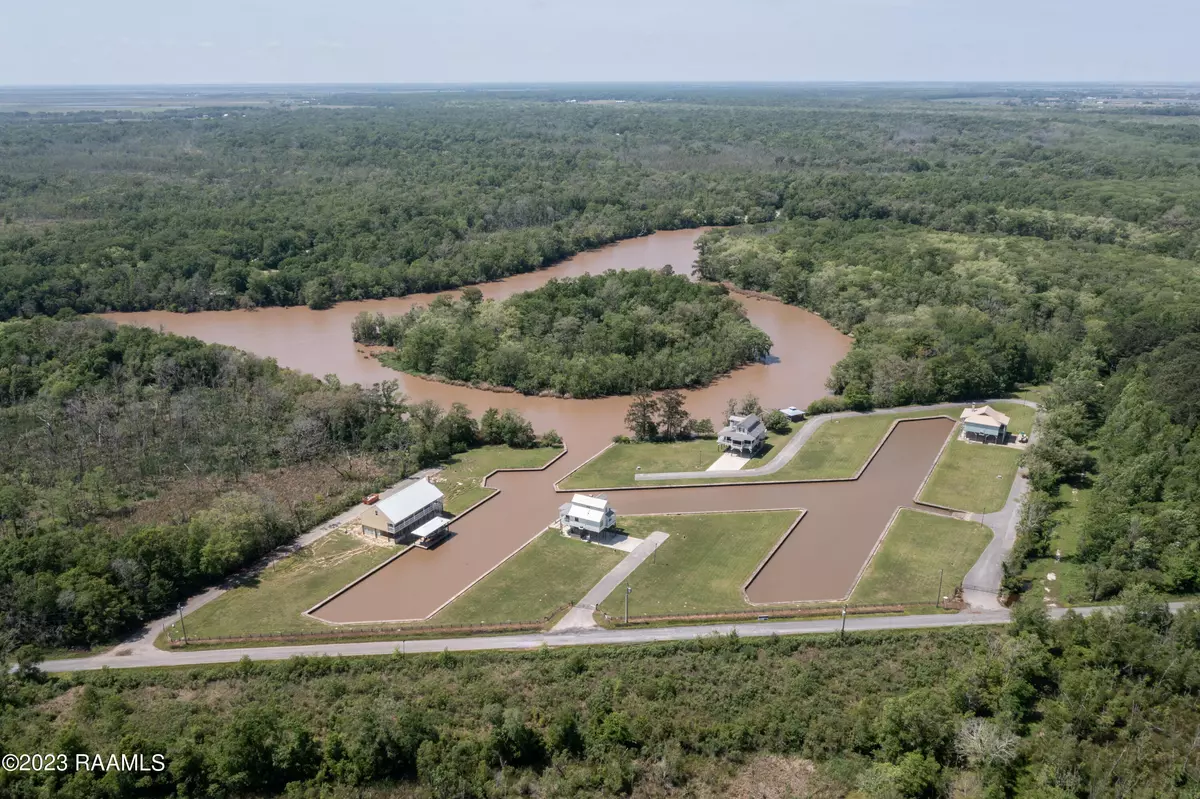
[{"x": 819, "y": 560}]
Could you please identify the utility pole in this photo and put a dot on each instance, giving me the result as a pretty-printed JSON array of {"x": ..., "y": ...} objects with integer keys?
[
  {"x": 938, "y": 604},
  {"x": 843, "y": 622},
  {"x": 181, "y": 624},
  {"x": 628, "y": 591}
]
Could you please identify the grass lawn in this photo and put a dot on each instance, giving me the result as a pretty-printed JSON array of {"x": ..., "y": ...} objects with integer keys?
[
  {"x": 617, "y": 465},
  {"x": 905, "y": 569},
  {"x": 460, "y": 479},
  {"x": 275, "y": 600},
  {"x": 545, "y": 575},
  {"x": 972, "y": 477},
  {"x": 1069, "y": 586},
  {"x": 702, "y": 566},
  {"x": 840, "y": 447}
]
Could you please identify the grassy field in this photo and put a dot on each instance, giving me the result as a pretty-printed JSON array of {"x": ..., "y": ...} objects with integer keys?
[
  {"x": 461, "y": 477},
  {"x": 972, "y": 477},
  {"x": 840, "y": 447},
  {"x": 905, "y": 569},
  {"x": 1069, "y": 586},
  {"x": 702, "y": 566},
  {"x": 618, "y": 465},
  {"x": 837, "y": 450},
  {"x": 548, "y": 573},
  {"x": 275, "y": 600}
]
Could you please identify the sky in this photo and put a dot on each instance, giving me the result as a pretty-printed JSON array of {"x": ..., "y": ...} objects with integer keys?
[{"x": 67, "y": 42}]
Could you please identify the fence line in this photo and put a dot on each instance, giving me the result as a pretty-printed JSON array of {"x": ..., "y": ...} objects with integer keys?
[{"x": 361, "y": 632}]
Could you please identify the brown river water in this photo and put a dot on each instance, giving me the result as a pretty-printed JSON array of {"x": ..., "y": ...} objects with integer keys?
[{"x": 818, "y": 561}]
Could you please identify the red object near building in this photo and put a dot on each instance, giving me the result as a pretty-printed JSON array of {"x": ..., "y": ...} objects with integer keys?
[{"x": 371, "y": 500}]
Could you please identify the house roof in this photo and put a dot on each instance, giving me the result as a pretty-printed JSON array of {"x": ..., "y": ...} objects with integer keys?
[
  {"x": 985, "y": 416},
  {"x": 594, "y": 515},
  {"x": 409, "y": 500},
  {"x": 591, "y": 502}
]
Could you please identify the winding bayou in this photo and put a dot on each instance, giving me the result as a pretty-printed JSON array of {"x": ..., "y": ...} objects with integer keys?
[{"x": 819, "y": 561}]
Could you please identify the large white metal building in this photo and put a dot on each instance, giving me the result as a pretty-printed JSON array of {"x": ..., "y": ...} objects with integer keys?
[{"x": 414, "y": 512}]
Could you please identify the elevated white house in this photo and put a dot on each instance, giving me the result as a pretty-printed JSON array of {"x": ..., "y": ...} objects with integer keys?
[
  {"x": 743, "y": 435},
  {"x": 413, "y": 513},
  {"x": 587, "y": 514},
  {"x": 985, "y": 424}
]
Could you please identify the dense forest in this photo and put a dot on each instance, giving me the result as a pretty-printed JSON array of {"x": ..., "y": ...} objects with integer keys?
[
  {"x": 589, "y": 336},
  {"x": 417, "y": 193},
  {"x": 1097, "y": 707},
  {"x": 138, "y": 468}
]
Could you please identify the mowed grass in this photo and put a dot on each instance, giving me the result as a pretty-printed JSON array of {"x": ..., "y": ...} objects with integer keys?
[
  {"x": 460, "y": 480},
  {"x": 905, "y": 569},
  {"x": 972, "y": 477},
  {"x": 701, "y": 568},
  {"x": 618, "y": 465},
  {"x": 840, "y": 447},
  {"x": 275, "y": 600},
  {"x": 977, "y": 477},
  {"x": 548, "y": 573}
]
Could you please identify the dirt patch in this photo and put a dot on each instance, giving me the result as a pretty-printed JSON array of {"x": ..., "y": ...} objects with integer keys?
[
  {"x": 774, "y": 777},
  {"x": 62, "y": 704}
]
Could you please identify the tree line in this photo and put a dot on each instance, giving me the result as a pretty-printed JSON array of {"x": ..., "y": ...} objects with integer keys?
[
  {"x": 103, "y": 424},
  {"x": 270, "y": 207},
  {"x": 1099, "y": 706},
  {"x": 589, "y": 336}
]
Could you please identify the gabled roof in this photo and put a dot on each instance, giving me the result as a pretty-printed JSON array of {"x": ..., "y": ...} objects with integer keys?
[
  {"x": 591, "y": 502},
  {"x": 581, "y": 506},
  {"x": 409, "y": 500},
  {"x": 986, "y": 416}
]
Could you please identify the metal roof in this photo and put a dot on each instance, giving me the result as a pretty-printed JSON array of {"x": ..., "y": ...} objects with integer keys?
[
  {"x": 430, "y": 527},
  {"x": 594, "y": 515},
  {"x": 590, "y": 502},
  {"x": 986, "y": 416},
  {"x": 409, "y": 500}
]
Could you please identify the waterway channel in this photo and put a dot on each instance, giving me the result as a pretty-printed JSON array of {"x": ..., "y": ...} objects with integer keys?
[{"x": 819, "y": 560}]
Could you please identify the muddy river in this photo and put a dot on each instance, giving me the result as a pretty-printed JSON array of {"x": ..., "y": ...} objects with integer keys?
[{"x": 818, "y": 561}]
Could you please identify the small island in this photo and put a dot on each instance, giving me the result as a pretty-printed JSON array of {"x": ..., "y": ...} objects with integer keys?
[{"x": 591, "y": 336}]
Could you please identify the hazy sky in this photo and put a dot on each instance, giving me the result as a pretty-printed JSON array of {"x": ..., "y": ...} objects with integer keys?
[{"x": 377, "y": 41}]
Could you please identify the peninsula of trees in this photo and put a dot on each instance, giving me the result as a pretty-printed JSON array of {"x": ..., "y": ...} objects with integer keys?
[{"x": 590, "y": 336}]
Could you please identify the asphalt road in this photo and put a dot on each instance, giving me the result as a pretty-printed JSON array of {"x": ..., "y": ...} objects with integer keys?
[{"x": 143, "y": 658}]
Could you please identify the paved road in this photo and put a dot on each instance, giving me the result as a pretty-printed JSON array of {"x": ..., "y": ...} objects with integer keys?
[
  {"x": 797, "y": 441},
  {"x": 144, "y": 639},
  {"x": 154, "y": 657},
  {"x": 580, "y": 617}
]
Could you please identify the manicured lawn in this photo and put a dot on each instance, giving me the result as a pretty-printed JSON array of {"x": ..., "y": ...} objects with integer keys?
[
  {"x": 702, "y": 566},
  {"x": 275, "y": 600},
  {"x": 972, "y": 477},
  {"x": 618, "y": 465},
  {"x": 460, "y": 479},
  {"x": 840, "y": 447},
  {"x": 542, "y": 577},
  {"x": 905, "y": 569},
  {"x": 1020, "y": 417},
  {"x": 1069, "y": 586}
]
